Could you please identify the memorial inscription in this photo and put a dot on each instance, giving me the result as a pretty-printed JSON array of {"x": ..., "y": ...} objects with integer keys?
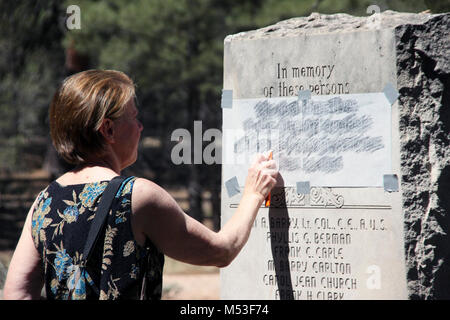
[
  {"x": 319, "y": 73},
  {"x": 336, "y": 137},
  {"x": 316, "y": 251},
  {"x": 309, "y": 253},
  {"x": 332, "y": 232},
  {"x": 317, "y": 129}
]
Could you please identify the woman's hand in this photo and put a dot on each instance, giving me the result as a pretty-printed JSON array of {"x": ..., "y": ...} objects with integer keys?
[{"x": 261, "y": 177}]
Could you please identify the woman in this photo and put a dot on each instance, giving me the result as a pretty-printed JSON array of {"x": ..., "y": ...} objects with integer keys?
[{"x": 93, "y": 125}]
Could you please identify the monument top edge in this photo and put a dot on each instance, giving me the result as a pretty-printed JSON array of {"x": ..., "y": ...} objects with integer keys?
[{"x": 317, "y": 23}]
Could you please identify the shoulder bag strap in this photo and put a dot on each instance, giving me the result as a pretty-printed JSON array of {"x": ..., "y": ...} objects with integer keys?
[
  {"x": 101, "y": 214},
  {"x": 97, "y": 225}
]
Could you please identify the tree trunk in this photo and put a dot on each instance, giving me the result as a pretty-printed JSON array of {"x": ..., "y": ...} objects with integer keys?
[{"x": 53, "y": 163}]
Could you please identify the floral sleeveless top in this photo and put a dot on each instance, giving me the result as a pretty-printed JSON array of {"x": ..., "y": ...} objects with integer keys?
[{"x": 118, "y": 268}]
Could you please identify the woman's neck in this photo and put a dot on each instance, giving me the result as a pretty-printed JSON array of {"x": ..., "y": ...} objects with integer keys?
[
  {"x": 109, "y": 164},
  {"x": 91, "y": 171}
]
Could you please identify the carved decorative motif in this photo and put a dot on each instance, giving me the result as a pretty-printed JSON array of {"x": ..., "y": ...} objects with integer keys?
[
  {"x": 325, "y": 197},
  {"x": 286, "y": 197}
]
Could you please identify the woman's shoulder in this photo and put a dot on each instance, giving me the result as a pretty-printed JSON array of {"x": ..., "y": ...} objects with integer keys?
[
  {"x": 148, "y": 194},
  {"x": 144, "y": 188}
]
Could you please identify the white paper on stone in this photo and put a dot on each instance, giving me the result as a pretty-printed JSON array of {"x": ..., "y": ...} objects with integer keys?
[{"x": 331, "y": 140}]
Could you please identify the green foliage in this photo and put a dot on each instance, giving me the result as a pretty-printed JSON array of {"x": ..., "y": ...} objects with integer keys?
[
  {"x": 30, "y": 66},
  {"x": 173, "y": 49},
  {"x": 167, "y": 47}
]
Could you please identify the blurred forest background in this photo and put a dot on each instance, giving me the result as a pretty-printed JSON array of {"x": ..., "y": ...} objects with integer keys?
[{"x": 172, "y": 49}]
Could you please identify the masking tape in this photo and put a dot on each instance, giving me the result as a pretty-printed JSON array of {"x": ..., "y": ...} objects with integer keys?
[
  {"x": 304, "y": 94},
  {"x": 303, "y": 187},
  {"x": 391, "y": 93},
  {"x": 390, "y": 182},
  {"x": 232, "y": 186},
  {"x": 227, "y": 99}
]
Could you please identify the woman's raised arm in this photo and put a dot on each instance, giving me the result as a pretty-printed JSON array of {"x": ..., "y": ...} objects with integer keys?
[{"x": 158, "y": 217}]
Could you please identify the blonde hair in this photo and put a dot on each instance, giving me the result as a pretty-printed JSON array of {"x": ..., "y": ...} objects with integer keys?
[{"x": 79, "y": 107}]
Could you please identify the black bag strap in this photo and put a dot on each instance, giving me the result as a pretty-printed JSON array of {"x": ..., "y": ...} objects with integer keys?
[{"x": 101, "y": 214}]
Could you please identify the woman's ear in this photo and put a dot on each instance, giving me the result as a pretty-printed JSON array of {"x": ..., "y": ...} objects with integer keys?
[{"x": 107, "y": 130}]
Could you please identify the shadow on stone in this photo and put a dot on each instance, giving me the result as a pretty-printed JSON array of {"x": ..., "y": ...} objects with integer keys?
[
  {"x": 279, "y": 231},
  {"x": 442, "y": 280}
]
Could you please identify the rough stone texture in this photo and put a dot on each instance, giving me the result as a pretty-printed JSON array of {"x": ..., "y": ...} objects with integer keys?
[
  {"x": 423, "y": 68},
  {"x": 336, "y": 23},
  {"x": 422, "y": 44}
]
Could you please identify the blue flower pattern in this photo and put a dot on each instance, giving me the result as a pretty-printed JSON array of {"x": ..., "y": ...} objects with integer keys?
[
  {"x": 40, "y": 218},
  {"x": 90, "y": 193},
  {"x": 72, "y": 212},
  {"x": 62, "y": 263},
  {"x": 61, "y": 252}
]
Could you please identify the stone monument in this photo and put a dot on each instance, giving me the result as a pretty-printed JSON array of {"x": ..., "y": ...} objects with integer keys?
[{"x": 357, "y": 112}]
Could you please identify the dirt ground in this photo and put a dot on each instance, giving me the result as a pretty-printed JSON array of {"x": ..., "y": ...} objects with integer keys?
[
  {"x": 191, "y": 287},
  {"x": 182, "y": 281}
]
